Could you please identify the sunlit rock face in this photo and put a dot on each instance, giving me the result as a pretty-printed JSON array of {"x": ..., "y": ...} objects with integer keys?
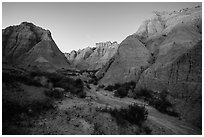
[
  {"x": 31, "y": 47},
  {"x": 164, "y": 54},
  {"x": 93, "y": 58},
  {"x": 132, "y": 56}
]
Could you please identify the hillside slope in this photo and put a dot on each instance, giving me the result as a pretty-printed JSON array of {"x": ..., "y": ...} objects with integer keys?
[
  {"x": 169, "y": 58},
  {"x": 31, "y": 47}
]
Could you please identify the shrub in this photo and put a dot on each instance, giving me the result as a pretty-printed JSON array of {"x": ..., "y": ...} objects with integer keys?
[
  {"x": 97, "y": 129},
  {"x": 57, "y": 94},
  {"x": 12, "y": 109},
  {"x": 116, "y": 86},
  {"x": 134, "y": 114},
  {"x": 101, "y": 86},
  {"x": 162, "y": 104},
  {"x": 122, "y": 89},
  {"x": 73, "y": 86},
  {"x": 121, "y": 92},
  {"x": 145, "y": 93},
  {"x": 79, "y": 83},
  {"x": 109, "y": 88},
  {"x": 157, "y": 100},
  {"x": 69, "y": 84},
  {"x": 147, "y": 130},
  {"x": 15, "y": 77},
  {"x": 94, "y": 79},
  {"x": 65, "y": 83},
  {"x": 82, "y": 94},
  {"x": 127, "y": 85},
  {"x": 53, "y": 77},
  {"x": 38, "y": 106}
]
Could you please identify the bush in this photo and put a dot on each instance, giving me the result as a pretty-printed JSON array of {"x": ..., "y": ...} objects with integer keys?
[
  {"x": 94, "y": 80},
  {"x": 15, "y": 77},
  {"x": 58, "y": 80},
  {"x": 122, "y": 89},
  {"x": 121, "y": 92},
  {"x": 79, "y": 84},
  {"x": 147, "y": 130},
  {"x": 73, "y": 86},
  {"x": 97, "y": 129},
  {"x": 57, "y": 94},
  {"x": 109, "y": 88},
  {"x": 101, "y": 86},
  {"x": 12, "y": 109},
  {"x": 38, "y": 106},
  {"x": 82, "y": 94},
  {"x": 127, "y": 86},
  {"x": 145, "y": 93},
  {"x": 157, "y": 100},
  {"x": 134, "y": 114},
  {"x": 162, "y": 104}
]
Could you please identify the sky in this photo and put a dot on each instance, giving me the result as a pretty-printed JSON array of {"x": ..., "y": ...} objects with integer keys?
[{"x": 78, "y": 25}]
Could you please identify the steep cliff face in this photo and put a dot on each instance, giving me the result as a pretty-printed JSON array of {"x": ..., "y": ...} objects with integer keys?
[
  {"x": 162, "y": 39},
  {"x": 93, "y": 58},
  {"x": 131, "y": 58},
  {"x": 32, "y": 47},
  {"x": 182, "y": 77},
  {"x": 166, "y": 54}
]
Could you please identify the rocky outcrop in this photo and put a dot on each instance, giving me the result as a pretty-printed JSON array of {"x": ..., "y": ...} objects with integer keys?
[
  {"x": 127, "y": 64},
  {"x": 93, "y": 58},
  {"x": 31, "y": 47},
  {"x": 164, "y": 37},
  {"x": 183, "y": 80},
  {"x": 164, "y": 54}
]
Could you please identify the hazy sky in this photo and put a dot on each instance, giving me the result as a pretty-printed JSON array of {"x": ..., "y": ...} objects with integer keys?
[{"x": 78, "y": 25}]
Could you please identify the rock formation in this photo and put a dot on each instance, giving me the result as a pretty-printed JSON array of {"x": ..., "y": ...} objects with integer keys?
[
  {"x": 131, "y": 58},
  {"x": 164, "y": 54},
  {"x": 93, "y": 58},
  {"x": 31, "y": 47}
]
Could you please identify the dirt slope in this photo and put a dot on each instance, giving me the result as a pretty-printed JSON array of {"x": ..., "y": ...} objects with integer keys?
[
  {"x": 79, "y": 116},
  {"x": 159, "y": 122}
]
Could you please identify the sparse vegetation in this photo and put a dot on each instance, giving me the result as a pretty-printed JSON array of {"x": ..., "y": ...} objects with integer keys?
[
  {"x": 14, "y": 104},
  {"x": 147, "y": 130},
  {"x": 56, "y": 94},
  {"x": 143, "y": 93},
  {"x": 134, "y": 114},
  {"x": 109, "y": 88},
  {"x": 121, "y": 89},
  {"x": 101, "y": 86},
  {"x": 121, "y": 92},
  {"x": 97, "y": 130},
  {"x": 10, "y": 78},
  {"x": 70, "y": 85},
  {"x": 157, "y": 100}
]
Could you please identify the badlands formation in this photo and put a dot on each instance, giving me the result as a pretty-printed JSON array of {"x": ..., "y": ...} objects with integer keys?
[
  {"x": 165, "y": 53},
  {"x": 31, "y": 47},
  {"x": 163, "y": 56}
]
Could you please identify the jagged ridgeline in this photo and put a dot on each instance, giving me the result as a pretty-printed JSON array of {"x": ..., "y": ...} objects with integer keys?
[
  {"x": 93, "y": 58},
  {"x": 164, "y": 54},
  {"x": 159, "y": 66}
]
